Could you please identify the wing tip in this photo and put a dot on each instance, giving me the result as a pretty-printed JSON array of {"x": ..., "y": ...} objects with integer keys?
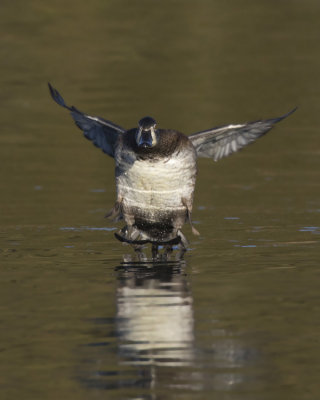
[
  {"x": 290, "y": 112},
  {"x": 286, "y": 115},
  {"x": 56, "y": 96}
]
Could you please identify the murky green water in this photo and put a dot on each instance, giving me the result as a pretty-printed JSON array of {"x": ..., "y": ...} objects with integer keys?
[{"x": 240, "y": 319}]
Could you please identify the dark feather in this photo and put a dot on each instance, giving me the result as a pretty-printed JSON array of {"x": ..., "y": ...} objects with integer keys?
[
  {"x": 103, "y": 134},
  {"x": 222, "y": 141}
]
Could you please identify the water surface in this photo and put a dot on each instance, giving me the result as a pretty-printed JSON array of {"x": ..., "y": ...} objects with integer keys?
[{"x": 239, "y": 319}]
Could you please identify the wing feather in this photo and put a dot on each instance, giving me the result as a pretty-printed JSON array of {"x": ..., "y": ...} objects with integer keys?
[
  {"x": 101, "y": 132},
  {"x": 222, "y": 141}
]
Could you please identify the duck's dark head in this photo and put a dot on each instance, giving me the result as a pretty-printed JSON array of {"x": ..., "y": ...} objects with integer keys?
[{"x": 147, "y": 134}]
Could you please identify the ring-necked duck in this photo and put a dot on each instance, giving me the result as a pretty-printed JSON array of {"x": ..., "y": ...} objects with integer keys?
[{"x": 156, "y": 172}]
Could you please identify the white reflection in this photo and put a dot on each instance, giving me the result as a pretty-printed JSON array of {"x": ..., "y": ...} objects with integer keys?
[
  {"x": 155, "y": 317},
  {"x": 154, "y": 328}
]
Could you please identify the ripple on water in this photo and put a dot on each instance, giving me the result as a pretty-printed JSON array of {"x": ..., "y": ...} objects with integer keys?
[
  {"x": 312, "y": 229},
  {"x": 86, "y": 228}
]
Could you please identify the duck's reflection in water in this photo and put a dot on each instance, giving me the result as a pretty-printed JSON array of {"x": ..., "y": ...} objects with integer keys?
[
  {"x": 155, "y": 321},
  {"x": 151, "y": 342}
]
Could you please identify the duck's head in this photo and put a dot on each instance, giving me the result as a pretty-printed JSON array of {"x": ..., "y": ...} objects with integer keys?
[{"x": 147, "y": 134}]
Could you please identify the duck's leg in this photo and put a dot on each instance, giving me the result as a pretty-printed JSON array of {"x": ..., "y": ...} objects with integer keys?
[
  {"x": 115, "y": 214},
  {"x": 140, "y": 254},
  {"x": 127, "y": 258},
  {"x": 127, "y": 234},
  {"x": 185, "y": 203},
  {"x": 154, "y": 252},
  {"x": 167, "y": 252},
  {"x": 182, "y": 250},
  {"x": 183, "y": 245}
]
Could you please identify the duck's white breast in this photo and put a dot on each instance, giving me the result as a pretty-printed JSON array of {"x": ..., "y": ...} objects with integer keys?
[{"x": 158, "y": 184}]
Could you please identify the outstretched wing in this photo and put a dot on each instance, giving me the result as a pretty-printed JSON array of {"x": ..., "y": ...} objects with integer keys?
[
  {"x": 102, "y": 133},
  {"x": 222, "y": 141}
]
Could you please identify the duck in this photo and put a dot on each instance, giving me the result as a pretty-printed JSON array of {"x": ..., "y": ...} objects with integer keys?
[{"x": 155, "y": 172}]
